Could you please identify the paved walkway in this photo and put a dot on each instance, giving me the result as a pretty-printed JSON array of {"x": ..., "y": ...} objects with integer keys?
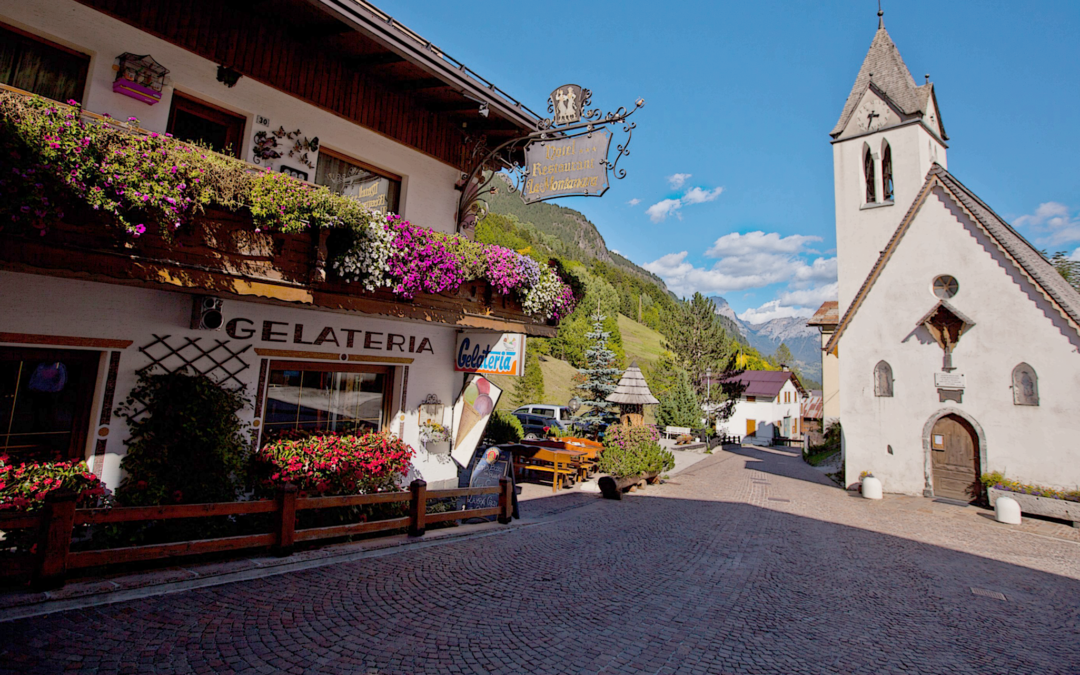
[{"x": 748, "y": 562}]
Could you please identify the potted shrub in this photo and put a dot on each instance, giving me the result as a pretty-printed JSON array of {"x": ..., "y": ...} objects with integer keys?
[{"x": 631, "y": 454}]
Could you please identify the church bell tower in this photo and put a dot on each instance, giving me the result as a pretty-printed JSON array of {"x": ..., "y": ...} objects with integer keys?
[{"x": 888, "y": 136}]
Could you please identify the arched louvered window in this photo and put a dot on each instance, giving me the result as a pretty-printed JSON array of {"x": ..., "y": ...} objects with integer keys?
[
  {"x": 883, "y": 379},
  {"x": 1025, "y": 385},
  {"x": 886, "y": 173},
  {"x": 868, "y": 174}
]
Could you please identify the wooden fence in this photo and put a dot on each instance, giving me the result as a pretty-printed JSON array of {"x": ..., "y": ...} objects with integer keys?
[{"x": 56, "y": 522}]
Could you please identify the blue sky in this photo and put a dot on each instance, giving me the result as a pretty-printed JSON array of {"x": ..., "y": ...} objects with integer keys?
[{"x": 732, "y": 152}]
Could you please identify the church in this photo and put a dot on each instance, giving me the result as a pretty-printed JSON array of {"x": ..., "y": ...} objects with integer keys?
[{"x": 958, "y": 342}]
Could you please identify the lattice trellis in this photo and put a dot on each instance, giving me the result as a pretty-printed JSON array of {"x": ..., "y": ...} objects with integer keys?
[{"x": 219, "y": 362}]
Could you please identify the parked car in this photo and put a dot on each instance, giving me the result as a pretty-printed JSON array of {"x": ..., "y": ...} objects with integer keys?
[
  {"x": 548, "y": 410},
  {"x": 534, "y": 425}
]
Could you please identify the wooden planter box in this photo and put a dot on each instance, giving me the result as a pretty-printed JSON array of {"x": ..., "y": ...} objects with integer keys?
[{"x": 1041, "y": 506}]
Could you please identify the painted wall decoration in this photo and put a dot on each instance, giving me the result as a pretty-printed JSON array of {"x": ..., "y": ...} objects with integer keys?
[{"x": 272, "y": 145}]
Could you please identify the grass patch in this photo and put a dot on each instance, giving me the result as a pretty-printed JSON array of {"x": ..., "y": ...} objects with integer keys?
[{"x": 640, "y": 342}]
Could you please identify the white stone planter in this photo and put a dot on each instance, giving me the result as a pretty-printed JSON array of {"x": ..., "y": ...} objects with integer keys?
[{"x": 1041, "y": 506}]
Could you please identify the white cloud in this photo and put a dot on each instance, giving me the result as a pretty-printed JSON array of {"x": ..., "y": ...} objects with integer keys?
[
  {"x": 1053, "y": 223},
  {"x": 634, "y": 202},
  {"x": 660, "y": 211},
  {"x": 1076, "y": 255},
  {"x": 736, "y": 244},
  {"x": 696, "y": 195},
  {"x": 756, "y": 260},
  {"x": 774, "y": 310},
  {"x": 615, "y": 251},
  {"x": 676, "y": 181},
  {"x": 809, "y": 297}
]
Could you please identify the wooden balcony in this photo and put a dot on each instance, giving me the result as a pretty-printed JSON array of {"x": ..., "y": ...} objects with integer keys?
[{"x": 221, "y": 254}]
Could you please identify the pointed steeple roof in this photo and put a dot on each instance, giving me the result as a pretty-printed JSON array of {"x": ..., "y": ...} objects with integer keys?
[{"x": 885, "y": 68}]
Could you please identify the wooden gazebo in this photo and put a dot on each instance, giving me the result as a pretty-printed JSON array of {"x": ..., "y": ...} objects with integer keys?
[{"x": 632, "y": 395}]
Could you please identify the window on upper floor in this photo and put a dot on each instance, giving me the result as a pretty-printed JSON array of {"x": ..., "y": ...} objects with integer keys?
[
  {"x": 886, "y": 173},
  {"x": 1025, "y": 385},
  {"x": 374, "y": 189},
  {"x": 883, "y": 379},
  {"x": 41, "y": 67},
  {"x": 869, "y": 176},
  {"x": 193, "y": 120}
]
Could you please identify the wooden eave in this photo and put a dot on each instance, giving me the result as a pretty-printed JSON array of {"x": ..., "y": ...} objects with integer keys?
[{"x": 346, "y": 57}]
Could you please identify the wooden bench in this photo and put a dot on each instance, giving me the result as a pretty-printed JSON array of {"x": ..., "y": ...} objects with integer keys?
[{"x": 676, "y": 431}]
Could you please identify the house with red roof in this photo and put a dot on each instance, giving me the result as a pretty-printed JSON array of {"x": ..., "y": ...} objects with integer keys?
[{"x": 770, "y": 407}]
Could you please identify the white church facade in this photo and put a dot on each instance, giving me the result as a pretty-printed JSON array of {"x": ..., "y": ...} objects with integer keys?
[{"x": 959, "y": 344}]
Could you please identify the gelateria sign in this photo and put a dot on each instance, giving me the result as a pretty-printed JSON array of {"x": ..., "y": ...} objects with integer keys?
[
  {"x": 566, "y": 167},
  {"x": 491, "y": 353}
]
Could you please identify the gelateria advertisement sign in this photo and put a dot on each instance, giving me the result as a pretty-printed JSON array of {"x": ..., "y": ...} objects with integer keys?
[
  {"x": 472, "y": 410},
  {"x": 490, "y": 353}
]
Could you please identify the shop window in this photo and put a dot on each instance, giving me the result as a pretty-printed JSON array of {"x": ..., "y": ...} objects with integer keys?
[
  {"x": 41, "y": 67},
  {"x": 197, "y": 122},
  {"x": 45, "y": 401},
  {"x": 374, "y": 189},
  {"x": 320, "y": 397}
]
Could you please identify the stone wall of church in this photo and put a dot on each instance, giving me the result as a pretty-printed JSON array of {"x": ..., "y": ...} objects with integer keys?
[{"x": 1014, "y": 323}]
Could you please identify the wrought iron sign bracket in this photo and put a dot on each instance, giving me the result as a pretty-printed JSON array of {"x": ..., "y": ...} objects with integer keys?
[{"x": 569, "y": 121}]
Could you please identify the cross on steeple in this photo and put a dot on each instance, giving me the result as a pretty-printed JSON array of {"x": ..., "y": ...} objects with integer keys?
[{"x": 880, "y": 15}]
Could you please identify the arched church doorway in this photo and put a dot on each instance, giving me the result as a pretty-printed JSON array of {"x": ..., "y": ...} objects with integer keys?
[{"x": 954, "y": 452}]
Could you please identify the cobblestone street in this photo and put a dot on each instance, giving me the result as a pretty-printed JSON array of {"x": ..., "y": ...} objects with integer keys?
[{"x": 747, "y": 562}]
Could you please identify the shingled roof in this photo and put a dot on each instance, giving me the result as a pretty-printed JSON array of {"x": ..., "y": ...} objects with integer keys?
[
  {"x": 633, "y": 388},
  {"x": 766, "y": 382},
  {"x": 826, "y": 315},
  {"x": 1026, "y": 256},
  {"x": 891, "y": 78}
]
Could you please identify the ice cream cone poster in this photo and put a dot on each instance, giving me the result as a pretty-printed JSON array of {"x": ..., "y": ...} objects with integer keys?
[{"x": 472, "y": 410}]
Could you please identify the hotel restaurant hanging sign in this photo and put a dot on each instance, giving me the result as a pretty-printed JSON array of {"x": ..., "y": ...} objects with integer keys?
[
  {"x": 565, "y": 167},
  {"x": 565, "y": 156}
]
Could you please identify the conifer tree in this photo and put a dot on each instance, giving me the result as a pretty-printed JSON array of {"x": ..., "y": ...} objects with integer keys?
[
  {"x": 679, "y": 407},
  {"x": 529, "y": 388},
  {"x": 601, "y": 375}
]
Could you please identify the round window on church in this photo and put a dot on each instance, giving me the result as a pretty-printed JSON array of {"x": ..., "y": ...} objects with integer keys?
[{"x": 945, "y": 286}]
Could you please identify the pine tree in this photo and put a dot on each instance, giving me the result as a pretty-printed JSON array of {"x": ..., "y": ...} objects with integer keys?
[
  {"x": 784, "y": 356},
  {"x": 601, "y": 375},
  {"x": 679, "y": 407},
  {"x": 701, "y": 345},
  {"x": 529, "y": 388}
]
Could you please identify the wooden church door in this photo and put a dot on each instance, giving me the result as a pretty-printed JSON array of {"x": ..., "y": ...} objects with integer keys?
[{"x": 955, "y": 459}]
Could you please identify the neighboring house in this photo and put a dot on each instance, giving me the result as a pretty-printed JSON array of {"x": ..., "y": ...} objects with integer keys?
[
  {"x": 770, "y": 407},
  {"x": 812, "y": 412},
  {"x": 825, "y": 319},
  {"x": 338, "y": 94},
  {"x": 960, "y": 343}
]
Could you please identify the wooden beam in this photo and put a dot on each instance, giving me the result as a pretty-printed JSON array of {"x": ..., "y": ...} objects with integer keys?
[
  {"x": 373, "y": 60},
  {"x": 423, "y": 83}
]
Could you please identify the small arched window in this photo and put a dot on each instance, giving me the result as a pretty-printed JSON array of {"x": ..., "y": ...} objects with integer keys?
[
  {"x": 868, "y": 175},
  {"x": 886, "y": 173},
  {"x": 883, "y": 379},
  {"x": 1025, "y": 385}
]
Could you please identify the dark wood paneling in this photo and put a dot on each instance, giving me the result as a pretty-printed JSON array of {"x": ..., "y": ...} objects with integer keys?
[{"x": 264, "y": 47}]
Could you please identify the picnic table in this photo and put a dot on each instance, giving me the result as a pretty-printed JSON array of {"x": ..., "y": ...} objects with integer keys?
[{"x": 564, "y": 465}]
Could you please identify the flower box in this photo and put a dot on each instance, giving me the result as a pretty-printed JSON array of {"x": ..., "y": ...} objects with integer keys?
[
  {"x": 136, "y": 91},
  {"x": 1041, "y": 506}
]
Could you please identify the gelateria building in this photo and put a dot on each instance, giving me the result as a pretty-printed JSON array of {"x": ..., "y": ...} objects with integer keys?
[{"x": 328, "y": 93}]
